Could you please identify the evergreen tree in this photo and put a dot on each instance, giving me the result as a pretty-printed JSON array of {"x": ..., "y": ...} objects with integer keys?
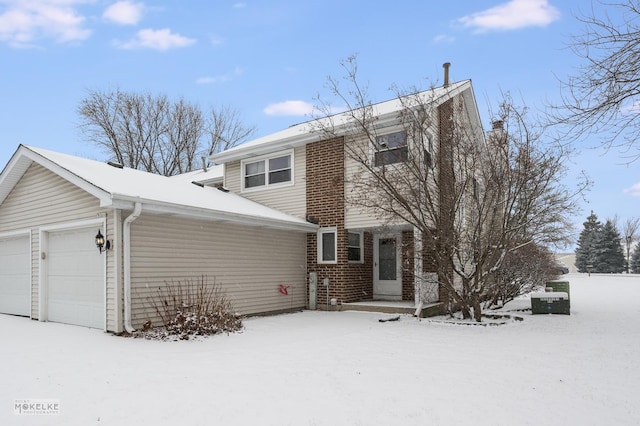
[
  {"x": 635, "y": 260},
  {"x": 610, "y": 257},
  {"x": 586, "y": 255}
]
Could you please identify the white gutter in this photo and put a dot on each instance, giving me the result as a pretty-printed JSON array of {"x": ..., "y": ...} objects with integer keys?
[
  {"x": 285, "y": 222},
  {"x": 126, "y": 236}
]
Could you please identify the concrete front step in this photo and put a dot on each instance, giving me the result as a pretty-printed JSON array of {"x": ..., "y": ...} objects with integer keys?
[{"x": 389, "y": 307}]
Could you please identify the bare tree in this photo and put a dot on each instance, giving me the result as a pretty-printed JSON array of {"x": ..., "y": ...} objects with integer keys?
[
  {"x": 225, "y": 130},
  {"x": 602, "y": 97},
  {"x": 152, "y": 133},
  {"x": 470, "y": 201},
  {"x": 629, "y": 234}
]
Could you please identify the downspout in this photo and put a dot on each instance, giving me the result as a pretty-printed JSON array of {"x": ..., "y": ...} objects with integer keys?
[{"x": 126, "y": 236}]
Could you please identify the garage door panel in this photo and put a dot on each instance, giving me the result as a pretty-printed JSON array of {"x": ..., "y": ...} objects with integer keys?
[
  {"x": 75, "y": 278},
  {"x": 15, "y": 276},
  {"x": 72, "y": 312}
]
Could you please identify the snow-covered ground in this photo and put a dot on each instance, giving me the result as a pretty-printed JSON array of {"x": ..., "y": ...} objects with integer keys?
[{"x": 343, "y": 368}]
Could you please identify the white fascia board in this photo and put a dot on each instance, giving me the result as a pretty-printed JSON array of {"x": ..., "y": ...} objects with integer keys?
[
  {"x": 24, "y": 157},
  {"x": 153, "y": 206},
  {"x": 307, "y": 136},
  {"x": 242, "y": 152}
]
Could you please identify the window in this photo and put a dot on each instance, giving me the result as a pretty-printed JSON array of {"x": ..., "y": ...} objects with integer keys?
[
  {"x": 354, "y": 247},
  {"x": 391, "y": 148},
  {"x": 428, "y": 160},
  {"x": 327, "y": 245},
  {"x": 267, "y": 171}
]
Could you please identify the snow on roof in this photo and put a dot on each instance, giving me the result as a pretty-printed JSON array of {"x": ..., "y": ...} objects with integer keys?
[
  {"x": 122, "y": 187},
  {"x": 303, "y": 133},
  {"x": 213, "y": 174}
]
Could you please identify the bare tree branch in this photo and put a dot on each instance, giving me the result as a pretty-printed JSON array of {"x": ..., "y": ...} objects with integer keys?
[
  {"x": 154, "y": 134},
  {"x": 602, "y": 97}
]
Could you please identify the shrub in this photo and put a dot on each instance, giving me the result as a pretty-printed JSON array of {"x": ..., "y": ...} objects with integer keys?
[
  {"x": 193, "y": 307},
  {"x": 523, "y": 270}
]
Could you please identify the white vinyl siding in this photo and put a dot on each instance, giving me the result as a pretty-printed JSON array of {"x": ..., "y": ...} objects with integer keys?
[
  {"x": 356, "y": 217},
  {"x": 42, "y": 198},
  {"x": 249, "y": 263},
  {"x": 290, "y": 199},
  {"x": 15, "y": 274}
]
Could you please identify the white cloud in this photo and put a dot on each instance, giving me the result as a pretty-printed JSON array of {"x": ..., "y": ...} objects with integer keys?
[
  {"x": 512, "y": 15},
  {"x": 162, "y": 39},
  {"x": 634, "y": 191},
  {"x": 124, "y": 12},
  {"x": 289, "y": 108},
  {"x": 23, "y": 22},
  {"x": 443, "y": 38},
  {"x": 220, "y": 78}
]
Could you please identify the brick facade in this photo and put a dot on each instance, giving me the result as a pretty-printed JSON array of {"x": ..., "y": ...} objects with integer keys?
[
  {"x": 348, "y": 281},
  {"x": 408, "y": 285}
]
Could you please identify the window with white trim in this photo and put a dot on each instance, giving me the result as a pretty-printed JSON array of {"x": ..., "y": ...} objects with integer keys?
[
  {"x": 327, "y": 245},
  {"x": 391, "y": 148},
  {"x": 268, "y": 171},
  {"x": 354, "y": 247}
]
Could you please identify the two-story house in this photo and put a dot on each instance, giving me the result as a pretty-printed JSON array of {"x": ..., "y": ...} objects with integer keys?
[
  {"x": 89, "y": 243},
  {"x": 356, "y": 255}
]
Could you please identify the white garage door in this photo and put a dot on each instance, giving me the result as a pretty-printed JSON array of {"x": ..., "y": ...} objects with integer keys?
[
  {"x": 15, "y": 275},
  {"x": 75, "y": 278}
]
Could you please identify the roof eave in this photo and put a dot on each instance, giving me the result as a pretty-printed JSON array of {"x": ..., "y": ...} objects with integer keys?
[
  {"x": 22, "y": 160},
  {"x": 242, "y": 152},
  {"x": 158, "y": 207}
]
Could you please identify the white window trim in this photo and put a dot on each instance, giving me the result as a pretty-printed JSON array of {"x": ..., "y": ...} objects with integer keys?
[
  {"x": 330, "y": 230},
  {"x": 266, "y": 158},
  {"x": 361, "y": 234}
]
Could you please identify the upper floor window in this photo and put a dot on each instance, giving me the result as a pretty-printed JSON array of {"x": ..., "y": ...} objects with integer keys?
[
  {"x": 391, "y": 148},
  {"x": 267, "y": 171}
]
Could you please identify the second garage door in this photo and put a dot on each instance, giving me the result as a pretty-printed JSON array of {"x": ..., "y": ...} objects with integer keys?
[{"x": 75, "y": 278}]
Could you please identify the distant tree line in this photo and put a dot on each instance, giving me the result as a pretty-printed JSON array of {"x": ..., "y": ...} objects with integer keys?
[
  {"x": 601, "y": 246},
  {"x": 154, "y": 133}
]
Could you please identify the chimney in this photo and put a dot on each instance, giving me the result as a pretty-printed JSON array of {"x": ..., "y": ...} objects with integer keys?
[{"x": 446, "y": 66}]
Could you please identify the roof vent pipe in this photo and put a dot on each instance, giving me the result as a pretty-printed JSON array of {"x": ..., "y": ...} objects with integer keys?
[
  {"x": 446, "y": 66},
  {"x": 204, "y": 164}
]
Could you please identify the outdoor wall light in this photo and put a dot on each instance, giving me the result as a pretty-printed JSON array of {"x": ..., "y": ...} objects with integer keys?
[{"x": 101, "y": 242}]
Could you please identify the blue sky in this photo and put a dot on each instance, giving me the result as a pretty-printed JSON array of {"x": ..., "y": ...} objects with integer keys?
[{"x": 270, "y": 59}]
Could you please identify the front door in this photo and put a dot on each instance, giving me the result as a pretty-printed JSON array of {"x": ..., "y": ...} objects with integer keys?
[{"x": 387, "y": 271}]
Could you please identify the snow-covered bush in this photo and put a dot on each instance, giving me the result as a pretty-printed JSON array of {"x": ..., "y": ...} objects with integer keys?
[{"x": 193, "y": 307}]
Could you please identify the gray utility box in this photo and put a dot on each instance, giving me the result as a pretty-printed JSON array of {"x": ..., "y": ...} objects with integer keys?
[{"x": 551, "y": 302}]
